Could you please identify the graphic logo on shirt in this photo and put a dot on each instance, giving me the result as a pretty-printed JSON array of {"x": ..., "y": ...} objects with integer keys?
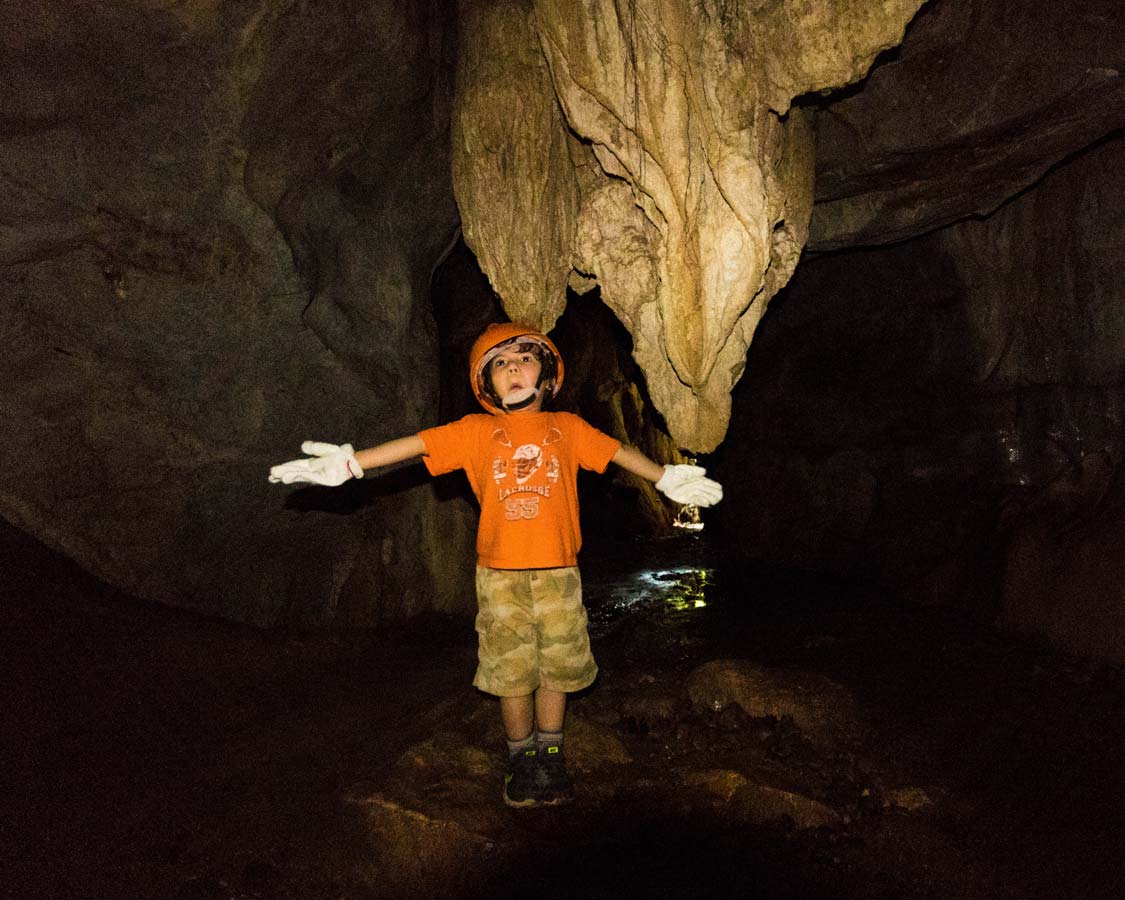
[
  {"x": 528, "y": 459},
  {"x": 523, "y": 465}
]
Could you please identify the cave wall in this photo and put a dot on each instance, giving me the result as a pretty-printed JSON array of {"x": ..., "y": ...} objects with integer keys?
[
  {"x": 224, "y": 222},
  {"x": 979, "y": 101},
  {"x": 945, "y": 414},
  {"x": 220, "y": 223}
]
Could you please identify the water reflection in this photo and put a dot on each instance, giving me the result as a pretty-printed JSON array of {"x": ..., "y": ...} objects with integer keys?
[
  {"x": 691, "y": 588},
  {"x": 671, "y": 577}
]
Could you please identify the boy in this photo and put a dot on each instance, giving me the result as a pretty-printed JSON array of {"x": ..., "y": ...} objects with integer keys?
[{"x": 522, "y": 463}]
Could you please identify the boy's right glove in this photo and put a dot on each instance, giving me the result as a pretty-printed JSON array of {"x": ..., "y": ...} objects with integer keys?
[
  {"x": 688, "y": 484},
  {"x": 330, "y": 465}
]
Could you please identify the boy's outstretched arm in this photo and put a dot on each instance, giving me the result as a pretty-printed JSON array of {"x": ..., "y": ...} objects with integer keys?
[
  {"x": 632, "y": 460},
  {"x": 333, "y": 464},
  {"x": 390, "y": 452},
  {"x": 683, "y": 484}
]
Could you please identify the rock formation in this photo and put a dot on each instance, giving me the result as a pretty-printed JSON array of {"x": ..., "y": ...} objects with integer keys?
[
  {"x": 220, "y": 222},
  {"x": 981, "y": 101},
  {"x": 652, "y": 148}
]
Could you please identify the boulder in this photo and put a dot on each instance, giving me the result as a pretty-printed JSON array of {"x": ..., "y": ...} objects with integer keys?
[{"x": 760, "y": 804}]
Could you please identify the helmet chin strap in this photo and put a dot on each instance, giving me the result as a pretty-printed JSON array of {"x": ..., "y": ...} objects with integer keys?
[{"x": 520, "y": 399}]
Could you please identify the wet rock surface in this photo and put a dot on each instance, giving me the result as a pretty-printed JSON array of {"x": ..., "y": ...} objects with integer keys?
[{"x": 150, "y": 753}]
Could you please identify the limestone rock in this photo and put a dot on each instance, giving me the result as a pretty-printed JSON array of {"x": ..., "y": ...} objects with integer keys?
[
  {"x": 514, "y": 182},
  {"x": 437, "y": 817},
  {"x": 823, "y": 711},
  {"x": 207, "y": 260},
  {"x": 685, "y": 191},
  {"x": 412, "y": 851},
  {"x": 982, "y": 99}
]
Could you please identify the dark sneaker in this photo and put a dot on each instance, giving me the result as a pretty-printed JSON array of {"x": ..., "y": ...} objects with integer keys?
[
  {"x": 552, "y": 763},
  {"x": 523, "y": 785}
]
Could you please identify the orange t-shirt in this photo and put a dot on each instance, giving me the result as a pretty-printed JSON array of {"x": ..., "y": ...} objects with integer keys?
[{"x": 523, "y": 469}]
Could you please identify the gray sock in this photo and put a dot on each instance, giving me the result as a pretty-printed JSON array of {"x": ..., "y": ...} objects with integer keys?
[
  {"x": 527, "y": 743},
  {"x": 549, "y": 739}
]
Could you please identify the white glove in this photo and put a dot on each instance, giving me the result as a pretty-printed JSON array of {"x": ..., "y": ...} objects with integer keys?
[
  {"x": 687, "y": 484},
  {"x": 329, "y": 464}
]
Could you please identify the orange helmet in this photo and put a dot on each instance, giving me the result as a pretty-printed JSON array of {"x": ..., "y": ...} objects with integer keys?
[{"x": 500, "y": 335}]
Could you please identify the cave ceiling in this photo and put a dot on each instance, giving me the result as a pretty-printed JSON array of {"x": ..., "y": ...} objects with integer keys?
[{"x": 980, "y": 100}]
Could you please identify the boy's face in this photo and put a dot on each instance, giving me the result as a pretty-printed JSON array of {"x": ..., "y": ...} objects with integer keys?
[{"x": 514, "y": 371}]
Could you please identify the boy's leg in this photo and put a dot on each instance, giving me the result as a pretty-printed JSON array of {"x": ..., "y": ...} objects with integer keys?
[
  {"x": 565, "y": 664},
  {"x": 550, "y": 710},
  {"x": 537, "y": 767},
  {"x": 507, "y": 666},
  {"x": 518, "y": 716}
]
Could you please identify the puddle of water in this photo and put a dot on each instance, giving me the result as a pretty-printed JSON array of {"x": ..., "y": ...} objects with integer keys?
[{"x": 672, "y": 575}]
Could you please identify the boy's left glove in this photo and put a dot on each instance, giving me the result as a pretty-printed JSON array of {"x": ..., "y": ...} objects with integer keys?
[
  {"x": 688, "y": 484},
  {"x": 330, "y": 465}
]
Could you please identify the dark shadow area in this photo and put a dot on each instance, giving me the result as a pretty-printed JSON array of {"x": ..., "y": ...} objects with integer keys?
[
  {"x": 148, "y": 752},
  {"x": 861, "y": 442},
  {"x": 659, "y": 857}
]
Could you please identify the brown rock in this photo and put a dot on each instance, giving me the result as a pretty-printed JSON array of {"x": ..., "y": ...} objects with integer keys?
[
  {"x": 760, "y": 804},
  {"x": 207, "y": 260},
  {"x": 411, "y": 851},
  {"x": 823, "y": 710},
  {"x": 591, "y": 746},
  {"x": 908, "y": 799}
]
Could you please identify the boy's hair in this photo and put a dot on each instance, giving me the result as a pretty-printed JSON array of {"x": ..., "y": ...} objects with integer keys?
[{"x": 497, "y": 338}]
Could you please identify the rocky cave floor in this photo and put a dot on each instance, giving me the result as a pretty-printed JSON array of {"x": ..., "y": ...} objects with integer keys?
[{"x": 151, "y": 753}]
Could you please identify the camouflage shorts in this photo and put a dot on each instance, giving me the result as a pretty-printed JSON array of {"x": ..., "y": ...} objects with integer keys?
[{"x": 531, "y": 628}]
